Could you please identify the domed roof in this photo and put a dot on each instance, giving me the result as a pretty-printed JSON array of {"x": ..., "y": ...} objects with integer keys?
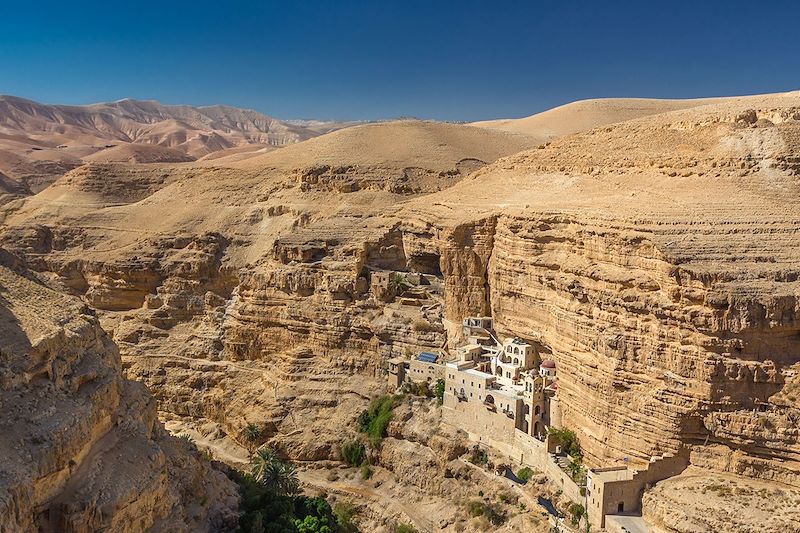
[{"x": 548, "y": 363}]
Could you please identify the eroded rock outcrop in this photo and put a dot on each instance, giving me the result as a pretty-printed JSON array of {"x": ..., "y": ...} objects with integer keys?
[
  {"x": 656, "y": 261},
  {"x": 83, "y": 448}
]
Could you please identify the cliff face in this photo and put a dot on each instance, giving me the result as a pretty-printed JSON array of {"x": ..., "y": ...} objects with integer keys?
[
  {"x": 655, "y": 260},
  {"x": 83, "y": 449},
  {"x": 650, "y": 357}
]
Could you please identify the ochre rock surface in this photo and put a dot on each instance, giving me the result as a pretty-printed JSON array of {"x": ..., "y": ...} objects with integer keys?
[
  {"x": 655, "y": 260},
  {"x": 82, "y": 447}
]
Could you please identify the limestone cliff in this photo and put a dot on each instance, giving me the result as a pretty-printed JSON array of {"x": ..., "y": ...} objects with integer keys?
[
  {"x": 82, "y": 447},
  {"x": 656, "y": 260}
]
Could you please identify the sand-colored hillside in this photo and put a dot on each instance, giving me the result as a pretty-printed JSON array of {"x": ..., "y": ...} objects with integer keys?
[
  {"x": 398, "y": 144},
  {"x": 238, "y": 153},
  {"x": 138, "y": 153},
  {"x": 587, "y": 114},
  {"x": 40, "y": 142}
]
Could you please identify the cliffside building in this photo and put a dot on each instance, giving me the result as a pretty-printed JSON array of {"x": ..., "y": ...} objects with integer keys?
[
  {"x": 498, "y": 386},
  {"x": 506, "y": 395}
]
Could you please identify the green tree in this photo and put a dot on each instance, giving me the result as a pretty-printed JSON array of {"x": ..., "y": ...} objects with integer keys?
[
  {"x": 440, "y": 391},
  {"x": 568, "y": 441},
  {"x": 575, "y": 470},
  {"x": 577, "y": 511},
  {"x": 275, "y": 474}
]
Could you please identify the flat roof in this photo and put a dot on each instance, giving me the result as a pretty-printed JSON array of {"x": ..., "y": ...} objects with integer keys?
[
  {"x": 613, "y": 473},
  {"x": 478, "y": 373},
  {"x": 460, "y": 365},
  {"x": 469, "y": 346}
]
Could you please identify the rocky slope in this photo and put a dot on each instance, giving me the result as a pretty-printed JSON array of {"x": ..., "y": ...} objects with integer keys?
[
  {"x": 656, "y": 259},
  {"x": 83, "y": 449},
  {"x": 40, "y": 142}
]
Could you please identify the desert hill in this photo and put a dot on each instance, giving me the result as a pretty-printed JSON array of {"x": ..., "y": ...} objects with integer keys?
[
  {"x": 39, "y": 142},
  {"x": 397, "y": 144},
  {"x": 138, "y": 153},
  {"x": 588, "y": 114}
]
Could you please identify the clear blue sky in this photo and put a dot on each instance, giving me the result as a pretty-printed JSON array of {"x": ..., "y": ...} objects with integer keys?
[{"x": 460, "y": 60}]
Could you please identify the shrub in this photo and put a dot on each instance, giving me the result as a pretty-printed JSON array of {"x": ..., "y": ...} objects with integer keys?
[
  {"x": 491, "y": 512},
  {"x": 439, "y": 389},
  {"x": 405, "y": 528},
  {"x": 475, "y": 508},
  {"x": 344, "y": 513},
  {"x": 376, "y": 418},
  {"x": 353, "y": 452},
  {"x": 333, "y": 475},
  {"x": 524, "y": 474},
  {"x": 366, "y": 471},
  {"x": 251, "y": 434},
  {"x": 363, "y": 421},
  {"x": 478, "y": 456}
]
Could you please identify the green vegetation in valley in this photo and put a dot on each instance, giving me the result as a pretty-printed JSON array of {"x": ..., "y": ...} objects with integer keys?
[{"x": 271, "y": 501}]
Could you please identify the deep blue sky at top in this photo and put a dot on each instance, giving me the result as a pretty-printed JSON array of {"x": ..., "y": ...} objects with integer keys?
[{"x": 460, "y": 60}]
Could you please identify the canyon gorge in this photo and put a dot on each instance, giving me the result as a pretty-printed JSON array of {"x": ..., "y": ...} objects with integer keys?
[{"x": 650, "y": 248}]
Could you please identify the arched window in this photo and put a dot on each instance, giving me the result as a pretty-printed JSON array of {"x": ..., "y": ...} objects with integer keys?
[
  {"x": 516, "y": 361},
  {"x": 489, "y": 398},
  {"x": 536, "y": 410}
]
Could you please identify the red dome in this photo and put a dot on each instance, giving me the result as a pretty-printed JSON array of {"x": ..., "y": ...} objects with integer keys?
[{"x": 548, "y": 364}]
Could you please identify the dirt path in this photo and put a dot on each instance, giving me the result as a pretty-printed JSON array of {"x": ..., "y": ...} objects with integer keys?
[{"x": 318, "y": 478}]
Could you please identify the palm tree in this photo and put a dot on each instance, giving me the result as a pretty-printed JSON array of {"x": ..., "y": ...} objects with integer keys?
[
  {"x": 574, "y": 469},
  {"x": 261, "y": 461},
  {"x": 251, "y": 434},
  {"x": 274, "y": 473},
  {"x": 398, "y": 282}
]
